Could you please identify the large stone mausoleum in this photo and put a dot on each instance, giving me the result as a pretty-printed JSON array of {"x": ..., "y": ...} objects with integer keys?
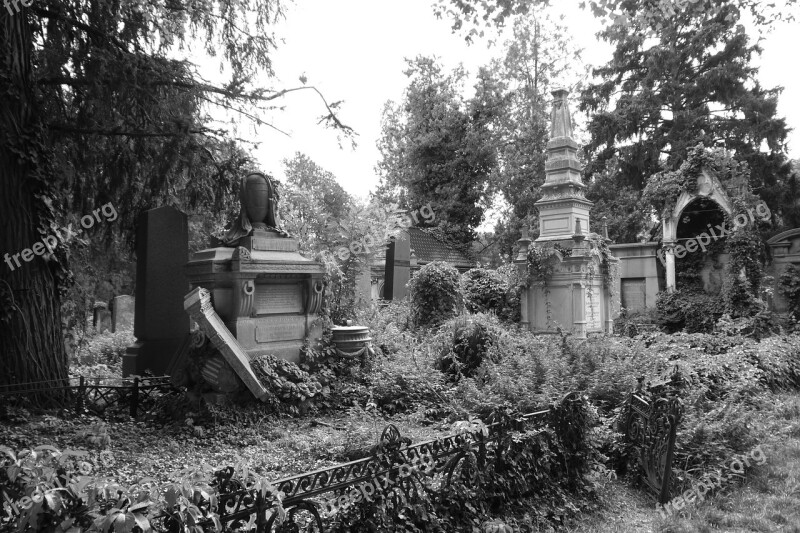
[{"x": 577, "y": 297}]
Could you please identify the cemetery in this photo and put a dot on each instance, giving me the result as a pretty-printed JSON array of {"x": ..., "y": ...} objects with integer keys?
[{"x": 568, "y": 302}]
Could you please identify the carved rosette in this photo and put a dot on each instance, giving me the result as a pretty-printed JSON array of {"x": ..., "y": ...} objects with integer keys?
[{"x": 241, "y": 254}]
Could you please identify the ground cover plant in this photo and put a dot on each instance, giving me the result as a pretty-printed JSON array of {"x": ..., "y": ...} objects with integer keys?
[{"x": 730, "y": 379}]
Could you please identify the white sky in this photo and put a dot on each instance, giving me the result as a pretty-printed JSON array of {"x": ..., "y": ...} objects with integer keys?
[{"x": 354, "y": 50}]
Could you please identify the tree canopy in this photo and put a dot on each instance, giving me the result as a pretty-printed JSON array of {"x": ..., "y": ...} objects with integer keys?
[
  {"x": 102, "y": 105},
  {"x": 436, "y": 149}
]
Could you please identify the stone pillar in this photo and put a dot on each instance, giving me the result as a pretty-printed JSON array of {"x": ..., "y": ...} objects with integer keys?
[
  {"x": 401, "y": 265},
  {"x": 670, "y": 265},
  {"x": 160, "y": 323},
  {"x": 579, "y": 310}
]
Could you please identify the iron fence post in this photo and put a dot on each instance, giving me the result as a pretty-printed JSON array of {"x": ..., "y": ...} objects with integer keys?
[
  {"x": 260, "y": 512},
  {"x": 135, "y": 397},
  {"x": 81, "y": 392}
]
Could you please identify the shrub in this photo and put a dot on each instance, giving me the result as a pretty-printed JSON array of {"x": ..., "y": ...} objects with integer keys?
[
  {"x": 629, "y": 323},
  {"x": 494, "y": 291},
  {"x": 789, "y": 287},
  {"x": 471, "y": 341},
  {"x": 405, "y": 380},
  {"x": 690, "y": 312},
  {"x": 105, "y": 347},
  {"x": 435, "y": 294}
]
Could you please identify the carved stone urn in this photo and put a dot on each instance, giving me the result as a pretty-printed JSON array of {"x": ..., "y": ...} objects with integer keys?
[{"x": 257, "y": 198}]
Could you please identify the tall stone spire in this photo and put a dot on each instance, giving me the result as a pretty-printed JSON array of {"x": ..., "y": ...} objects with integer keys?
[{"x": 563, "y": 203}]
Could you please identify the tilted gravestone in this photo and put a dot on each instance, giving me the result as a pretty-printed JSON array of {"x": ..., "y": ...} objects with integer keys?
[{"x": 160, "y": 325}]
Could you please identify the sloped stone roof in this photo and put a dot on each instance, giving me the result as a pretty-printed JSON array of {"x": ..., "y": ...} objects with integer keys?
[{"x": 428, "y": 248}]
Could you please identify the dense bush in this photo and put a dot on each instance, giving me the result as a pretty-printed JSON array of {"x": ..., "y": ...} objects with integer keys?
[
  {"x": 789, "y": 287},
  {"x": 495, "y": 291},
  {"x": 471, "y": 341},
  {"x": 630, "y": 323},
  {"x": 435, "y": 294},
  {"x": 689, "y": 312}
]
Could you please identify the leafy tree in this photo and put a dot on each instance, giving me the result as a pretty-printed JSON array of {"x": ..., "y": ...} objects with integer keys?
[
  {"x": 98, "y": 109},
  {"x": 473, "y": 16},
  {"x": 311, "y": 203},
  {"x": 344, "y": 232},
  {"x": 436, "y": 148},
  {"x": 691, "y": 83},
  {"x": 539, "y": 55}
]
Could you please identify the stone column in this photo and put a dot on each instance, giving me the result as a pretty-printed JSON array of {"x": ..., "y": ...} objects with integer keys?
[
  {"x": 579, "y": 310},
  {"x": 670, "y": 260}
]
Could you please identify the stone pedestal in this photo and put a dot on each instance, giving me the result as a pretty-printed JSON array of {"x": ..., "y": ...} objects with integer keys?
[
  {"x": 572, "y": 299},
  {"x": 268, "y": 295}
]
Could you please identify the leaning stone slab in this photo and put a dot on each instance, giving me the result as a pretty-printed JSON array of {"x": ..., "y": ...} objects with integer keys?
[{"x": 198, "y": 304}]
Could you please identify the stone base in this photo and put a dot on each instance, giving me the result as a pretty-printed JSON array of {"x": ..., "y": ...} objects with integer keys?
[{"x": 152, "y": 355}]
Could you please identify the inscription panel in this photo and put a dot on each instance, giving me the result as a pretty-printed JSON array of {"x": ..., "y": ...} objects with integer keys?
[
  {"x": 553, "y": 224},
  {"x": 273, "y": 299},
  {"x": 282, "y": 328}
]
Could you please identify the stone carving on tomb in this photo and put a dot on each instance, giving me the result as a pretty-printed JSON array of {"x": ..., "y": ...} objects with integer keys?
[{"x": 258, "y": 195}]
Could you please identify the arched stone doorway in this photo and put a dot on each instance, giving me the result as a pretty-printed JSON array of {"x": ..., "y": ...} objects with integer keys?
[{"x": 708, "y": 188}]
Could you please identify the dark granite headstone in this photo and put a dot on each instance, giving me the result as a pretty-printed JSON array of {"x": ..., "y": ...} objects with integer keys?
[
  {"x": 122, "y": 312},
  {"x": 161, "y": 325}
]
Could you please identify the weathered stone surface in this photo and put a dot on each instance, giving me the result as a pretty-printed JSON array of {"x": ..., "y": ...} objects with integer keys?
[
  {"x": 198, "y": 305},
  {"x": 160, "y": 323},
  {"x": 267, "y": 294}
]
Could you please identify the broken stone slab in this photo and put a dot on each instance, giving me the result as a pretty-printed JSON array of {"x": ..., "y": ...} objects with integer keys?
[{"x": 198, "y": 304}]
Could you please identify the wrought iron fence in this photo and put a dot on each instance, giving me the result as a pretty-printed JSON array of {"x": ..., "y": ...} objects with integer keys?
[
  {"x": 248, "y": 508},
  {"x": 98, "y": 394},
  {"x": 650, "y": 425}
]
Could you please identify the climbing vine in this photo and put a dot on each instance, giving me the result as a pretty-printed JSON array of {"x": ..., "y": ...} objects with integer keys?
[
  {"x": 543, "y": 259},
  {"x": 664, "y": 188}
]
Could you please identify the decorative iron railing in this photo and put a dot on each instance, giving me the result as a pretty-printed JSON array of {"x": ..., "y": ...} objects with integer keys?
[
  {"x": 98, "y": 394},
  {"x": 242, "y": 508},
  {"x": 650, "y": 424}
]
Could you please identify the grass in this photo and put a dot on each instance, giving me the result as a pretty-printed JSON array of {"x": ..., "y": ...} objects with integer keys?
[{"x": 767, "y": 501}]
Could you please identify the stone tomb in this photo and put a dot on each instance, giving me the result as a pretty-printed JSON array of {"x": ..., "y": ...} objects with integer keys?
[{"x": 268, "y": 297}]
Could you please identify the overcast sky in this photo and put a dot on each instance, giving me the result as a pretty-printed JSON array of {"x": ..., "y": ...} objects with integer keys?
[{"x": 354, "y": 50}]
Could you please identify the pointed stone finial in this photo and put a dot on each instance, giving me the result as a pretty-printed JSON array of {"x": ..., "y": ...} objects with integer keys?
[
  {"x": 560, "y": 118},
  {"x": 605, "y": 227}
]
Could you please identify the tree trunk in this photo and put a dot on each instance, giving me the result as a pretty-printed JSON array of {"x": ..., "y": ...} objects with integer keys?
[{"x": 31, "y": 343}]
